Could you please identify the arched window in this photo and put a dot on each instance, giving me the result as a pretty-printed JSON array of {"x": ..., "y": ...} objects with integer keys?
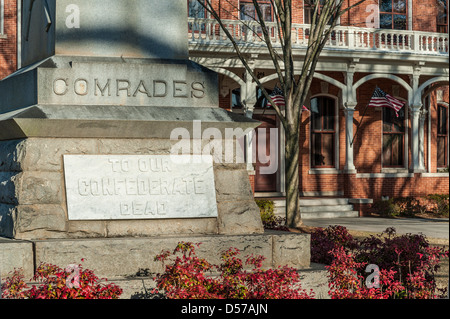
[
  {"x": 323, "y": 132},
  {"x": 393, "y": 138},
  {"x": 442, "y": 136}
]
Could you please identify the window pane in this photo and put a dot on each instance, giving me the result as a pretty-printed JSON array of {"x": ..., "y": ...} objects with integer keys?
[
  {"x": 316, "y": 122},
  {"x": 308, "y": 15},
  {"x": 385, "y": 21},
  {"x": 236, "y": 98},
  {"x": 327, "y": 149},
  {"x": 398, "y": 122},
  {"x": 196, "y": 10},
  {"x": 387, "y": 142},
  {"x": 397, "y": 150},
  {"x": 386, "y": 6},
  {"x": 400, "y": 22},
  {"x": 393, "y": 150},
  {"x": 388, "y": 120},
  {"x": 323, "y": 121},
  {"x": 441, "y": 151},
  {"x": 329, "y": 113},
  {"x": 323, "y": 149},
  {"x": 317, "y": 157},
  {"x": 442, "y": 11},
  {"x": 266, "y": 10},
  {"x": 247, "y": 11},
  {"x": 400, "y": 6},
  {"x": 442, "y": 120}
]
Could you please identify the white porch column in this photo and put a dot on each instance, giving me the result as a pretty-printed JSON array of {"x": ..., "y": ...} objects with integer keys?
[
  {"x": 349, "y": 96},
  {"x": 416, "y": 110},
  {"x": 248, "y": 99},
  {"x": 349, "y": 111},
  {"x": 415, "y": 137},
  {"x": 423, "y": 115}
]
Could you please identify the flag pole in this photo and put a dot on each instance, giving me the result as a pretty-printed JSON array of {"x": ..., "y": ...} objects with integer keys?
[{"x": 357, "y": 128}]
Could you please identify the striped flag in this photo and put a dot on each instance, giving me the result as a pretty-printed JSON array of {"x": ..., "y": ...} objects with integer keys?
[
  {"x": 277, "y": 97},
  {"x": 382, "y": 99}
]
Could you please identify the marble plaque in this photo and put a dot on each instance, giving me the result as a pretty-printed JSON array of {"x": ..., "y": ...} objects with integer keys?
[{"x": 111, "y": 187}]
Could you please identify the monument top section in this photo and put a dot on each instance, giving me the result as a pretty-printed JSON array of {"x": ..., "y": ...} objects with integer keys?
[{"x": 107, "y": 28}]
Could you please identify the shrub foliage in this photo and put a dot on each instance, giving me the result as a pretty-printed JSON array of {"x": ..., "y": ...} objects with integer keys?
[
  {"x": 58, "y": 283},
  {"x": 407, "y": 264},
  {"x": 188, "y": 276}
]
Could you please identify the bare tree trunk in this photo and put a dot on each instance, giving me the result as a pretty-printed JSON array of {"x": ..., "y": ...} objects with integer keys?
[{"x": 293, "y": 216}]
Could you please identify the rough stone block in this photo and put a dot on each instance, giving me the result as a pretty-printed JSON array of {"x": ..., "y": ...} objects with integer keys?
[
  {"x": 40, "y": 221},
  {"x": 16, "y": 254},
  {"x": 239, "y": 217},
  {"x": 293, "y": 249},
  {"x": 232, "y": 184},
  {"x": 9, "y": 188},
  {"x": 45, "y": 154},
  {"x": 11, "y": 155},
  {"x": 8, "y": 214}
]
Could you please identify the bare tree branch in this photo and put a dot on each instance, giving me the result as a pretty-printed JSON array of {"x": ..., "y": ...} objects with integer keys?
[
  {"x": 268, "y": 42},
  {"x": 241, "y": 56}
]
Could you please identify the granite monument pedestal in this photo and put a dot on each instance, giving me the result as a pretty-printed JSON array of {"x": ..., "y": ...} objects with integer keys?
[{"x": 88, "y": 128}]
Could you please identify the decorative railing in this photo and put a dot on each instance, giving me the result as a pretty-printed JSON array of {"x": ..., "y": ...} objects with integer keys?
[{"x": 208, "y": 31}]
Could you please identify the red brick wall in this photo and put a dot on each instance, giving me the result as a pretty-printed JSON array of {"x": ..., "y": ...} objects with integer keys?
[
  {"x": 368, "y": 149},
  {"x": 395, "y": 187},
  {"x": 8, "y": 40},
  {"x": 423, "y": 14}
]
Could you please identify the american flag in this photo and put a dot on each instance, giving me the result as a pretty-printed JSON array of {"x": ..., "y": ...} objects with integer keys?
[
  {"x": 382, "y": 99},
  {"x": 277, "y": 97}
]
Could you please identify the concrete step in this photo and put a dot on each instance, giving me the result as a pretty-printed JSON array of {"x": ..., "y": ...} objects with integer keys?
[
  {"x": 323, "y": 201},
  {"x": 336, "y": 214},
  {"x": 319, "y": 208}
]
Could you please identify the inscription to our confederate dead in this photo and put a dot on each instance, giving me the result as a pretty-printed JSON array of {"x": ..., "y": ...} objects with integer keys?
[{"x": 104, "y": 187}]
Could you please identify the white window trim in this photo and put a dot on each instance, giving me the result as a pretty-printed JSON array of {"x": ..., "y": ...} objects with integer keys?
[
  {"x": 338, "y": 22},
  {"x": 2, "y": 17},
  {"x": 409, "y": 16},
  {"x": 406, "y": 140},
  {"x": 327, "y": 170},
  {"x": 448, "y": 132}
]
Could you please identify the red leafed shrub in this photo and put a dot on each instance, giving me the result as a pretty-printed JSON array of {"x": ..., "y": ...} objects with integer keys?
[
  {"x": 347, "y": 282},
  {"x": 57, "y": 283},
  {"x": 185, "y": 277},
  {"x": 407, "y": 264},
  {"x": 405, "y": 254},
  {"x": 324, "y": 240}
]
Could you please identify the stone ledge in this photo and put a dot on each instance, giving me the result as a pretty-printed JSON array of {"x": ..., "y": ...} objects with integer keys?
[
  {"x": 119, "y": 257},
  {"x": 360, "y": 200}
]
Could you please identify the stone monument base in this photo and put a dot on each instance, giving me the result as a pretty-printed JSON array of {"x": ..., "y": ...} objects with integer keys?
[
  {"x": 33, "y": 195},
  {"x": 116, "y": 257}
]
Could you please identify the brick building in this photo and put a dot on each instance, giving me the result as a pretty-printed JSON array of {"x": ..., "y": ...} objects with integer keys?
[
  {"x": 8, "y": 37},
  {"x": 400, "y": 46}
]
